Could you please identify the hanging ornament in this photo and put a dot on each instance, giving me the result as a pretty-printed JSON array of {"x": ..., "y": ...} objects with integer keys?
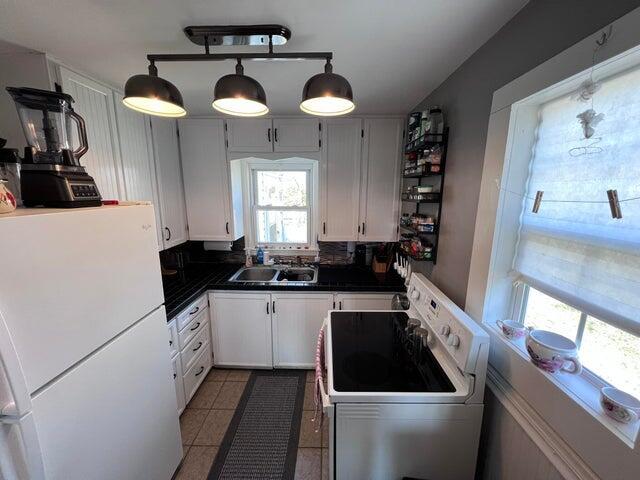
[
  {"x": 586, "y": 90},
  {"x": 589, "y": 120}
]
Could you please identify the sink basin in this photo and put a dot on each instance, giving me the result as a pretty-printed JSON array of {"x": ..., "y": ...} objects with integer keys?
[
  {"x": 276, "y": 274},
  {"x": 297, "y": 275},
  {"x": 254, "y": 274}
]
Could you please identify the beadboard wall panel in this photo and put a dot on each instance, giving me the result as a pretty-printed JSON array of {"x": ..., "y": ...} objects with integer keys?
[{"x": 506, "y": 451}]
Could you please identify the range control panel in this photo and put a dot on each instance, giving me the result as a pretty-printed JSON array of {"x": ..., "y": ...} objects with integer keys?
[
  {"x": 84, "y": 191},
  {"x": 461, "y": 336}
]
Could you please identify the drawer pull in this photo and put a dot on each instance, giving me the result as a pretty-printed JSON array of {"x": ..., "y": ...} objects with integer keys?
[
  {"x": 194, "y": 311},
  {"x": 195, "y": 326},
  {"x": 201, "y": 370},
  {"x": 198, "y": 347},
  {"x": 170, "y": 343},
  {"x": 174, "y": 376}
]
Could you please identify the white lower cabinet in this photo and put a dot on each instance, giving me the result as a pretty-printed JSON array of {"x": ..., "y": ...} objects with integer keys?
[
  {"x": 177, "y": 380},
  {"x": 190, "y": 349},
  {"x": 296, "y": 320},
  {"x": 254, "y": 329},
  {"x": 363, "y": 301},
  {"x": 241, "y": 329}
]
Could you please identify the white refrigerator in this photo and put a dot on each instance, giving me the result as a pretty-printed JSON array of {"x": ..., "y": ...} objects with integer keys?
[{"x": 86, "y": 387}]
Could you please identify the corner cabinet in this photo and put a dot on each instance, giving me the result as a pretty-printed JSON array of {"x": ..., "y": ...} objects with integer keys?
[
  {"x": 241, "y": 329},
  {"x": 213, "y": 192},
  {"x": 265, "y": 135},
  {"x": 360, "y": 180},
  {"x": 166, "y": 154}
]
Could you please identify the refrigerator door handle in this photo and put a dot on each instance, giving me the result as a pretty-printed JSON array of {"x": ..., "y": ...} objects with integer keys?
[{"x": 12, "y": 378}]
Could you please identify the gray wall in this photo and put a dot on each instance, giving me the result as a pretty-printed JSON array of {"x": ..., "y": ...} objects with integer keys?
[{"x": 542, "y": 29}]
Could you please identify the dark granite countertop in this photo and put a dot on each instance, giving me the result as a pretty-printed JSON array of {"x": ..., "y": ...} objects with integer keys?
[{"x": 190, "y": 282}]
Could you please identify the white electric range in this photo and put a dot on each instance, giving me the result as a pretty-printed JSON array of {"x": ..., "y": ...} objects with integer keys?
[{"x": 401, "y": 401}]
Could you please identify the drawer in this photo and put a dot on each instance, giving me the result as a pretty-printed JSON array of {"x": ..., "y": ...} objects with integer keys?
[
  {"x": 194, "y": 327},
  {"x": 179, "y": 384},
  {"x": 173, "y": 338},
  {"x": 196, "y": 374},
  {"x": 191, "y": 311},
  {"x": 199, "y": 343}
]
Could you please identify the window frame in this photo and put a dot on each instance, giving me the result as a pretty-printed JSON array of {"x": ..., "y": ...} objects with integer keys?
[
  {"x": 566, "y": 403},
  {"x": 255, "y": 207},
  {"x": 253, "y": 165}
]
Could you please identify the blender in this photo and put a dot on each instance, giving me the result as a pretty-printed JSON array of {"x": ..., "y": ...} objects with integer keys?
[{"x": 51, "y": 174}]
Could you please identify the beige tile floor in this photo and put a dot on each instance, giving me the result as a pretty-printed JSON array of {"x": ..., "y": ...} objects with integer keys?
[{"x": 206, "y": 419}]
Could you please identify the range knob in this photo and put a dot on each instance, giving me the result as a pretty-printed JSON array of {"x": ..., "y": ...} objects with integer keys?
[
  {"x": 445, "y": 330},
  {"x": 453, "y": 341},
  {"x": 415, "y": 294}
]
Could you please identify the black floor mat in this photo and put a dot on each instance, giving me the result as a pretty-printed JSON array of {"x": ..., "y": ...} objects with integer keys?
[{"x": 262, "y": 439}]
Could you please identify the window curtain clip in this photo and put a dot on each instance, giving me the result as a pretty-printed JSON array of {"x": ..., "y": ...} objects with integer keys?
[
  {"x": 537, "y": 201},
  {"x": 614, "y": 204}
]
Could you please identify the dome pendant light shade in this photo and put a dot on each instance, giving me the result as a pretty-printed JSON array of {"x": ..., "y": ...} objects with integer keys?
[
  {"x": 153, "y": 95},
  {"x": 327, "y": 94},
  {"x": 239, "y": 95}
]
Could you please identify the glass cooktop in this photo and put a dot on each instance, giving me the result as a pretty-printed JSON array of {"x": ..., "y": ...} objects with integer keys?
[{"x": 373, "y": 353}]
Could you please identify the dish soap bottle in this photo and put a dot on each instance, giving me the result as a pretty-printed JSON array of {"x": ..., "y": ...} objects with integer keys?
[{"x": 260, "y": 255}]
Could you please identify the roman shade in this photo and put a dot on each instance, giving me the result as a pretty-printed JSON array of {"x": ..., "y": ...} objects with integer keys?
[{"x": 576, "y": 251}]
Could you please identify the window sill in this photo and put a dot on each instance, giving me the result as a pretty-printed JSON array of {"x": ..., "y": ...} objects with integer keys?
[{"x": 579, "y": 388}]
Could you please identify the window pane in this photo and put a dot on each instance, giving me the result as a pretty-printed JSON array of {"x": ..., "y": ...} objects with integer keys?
[
  {"x": 612, "y": 354},
  {"x": 277, "y": 226},
  {"x": 281, "y": 189},
  {"x": 547, "y": 313}
]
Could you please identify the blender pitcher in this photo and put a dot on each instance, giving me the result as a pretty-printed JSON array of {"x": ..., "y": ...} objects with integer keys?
[{"x": 47, "y": 119}]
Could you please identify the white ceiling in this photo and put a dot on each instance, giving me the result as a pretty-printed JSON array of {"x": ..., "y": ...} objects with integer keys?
[{"x": 393, "y": 52}]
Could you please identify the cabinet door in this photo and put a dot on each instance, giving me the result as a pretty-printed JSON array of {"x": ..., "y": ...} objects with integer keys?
[
  {"x": 340, "y": 185},
  {"x": 176, "y": 364},
  {"x": 363, "y": 301},
  {"x": 250, "y": 135},
  {"x": 380, "y": 191},
  {"x": 296, "y": 135},
  {"x": 206, "y": 179},
  {"x": 241, "y": 329},
  {"x": 297, "y": 318},
  {"x": 167, "y": 159},
  {"x": 136, "y": 151},
  {"x": 95, "y": 104}
]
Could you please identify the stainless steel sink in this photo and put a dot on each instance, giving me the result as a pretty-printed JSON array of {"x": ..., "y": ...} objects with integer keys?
[{"x": 276, "y": 274}]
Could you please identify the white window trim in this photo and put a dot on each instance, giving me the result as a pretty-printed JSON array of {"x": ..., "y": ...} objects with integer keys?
[
  {"x": 601, "y": 442},
  {"x": 251, "y": 165}
]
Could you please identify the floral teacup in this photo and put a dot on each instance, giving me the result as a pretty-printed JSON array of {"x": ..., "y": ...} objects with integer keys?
[
  {"x": 551, "y": 352},
  {"x": 512, "y": 329},
  {"x": 619, "y": 405}
]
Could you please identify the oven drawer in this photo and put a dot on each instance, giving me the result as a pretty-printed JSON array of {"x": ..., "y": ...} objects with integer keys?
[
  {"x": 193, "y": 328},
  {"x": 198, "y": 344},
  {"x": 196, "y": 374},
  {"x": 189, "y": 313}
]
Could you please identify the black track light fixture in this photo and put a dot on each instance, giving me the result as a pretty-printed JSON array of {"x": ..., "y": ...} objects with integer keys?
[
  {"x": 327, "y": 94},
  {"x": 153, "y": 95},
  {"x": 239, "y": 95}
]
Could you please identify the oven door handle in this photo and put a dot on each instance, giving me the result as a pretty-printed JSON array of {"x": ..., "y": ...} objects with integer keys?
[{"x": 327, "y": 406}]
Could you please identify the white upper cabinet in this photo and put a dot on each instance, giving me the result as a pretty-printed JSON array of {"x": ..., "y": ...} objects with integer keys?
[
  {"x": 273, "y": 135},
  {"x": 138, "y": 169},
  {"x": 94, "y": 103},
  {"x": 340, "y": 179},
  {"x": 168, "y": 172},
  {"x": 296, "y": 135},
  {"x": 380, "y": 186},
  {"x": 249, "y": 135},
  {"x": 212, "y": 210}
]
